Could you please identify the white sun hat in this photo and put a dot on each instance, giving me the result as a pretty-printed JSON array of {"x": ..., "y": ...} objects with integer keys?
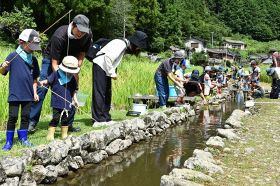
[{"x": 70, "y": 65}]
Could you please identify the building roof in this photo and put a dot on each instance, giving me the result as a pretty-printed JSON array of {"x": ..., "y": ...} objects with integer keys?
[
  {"x": 222, "y": 51},
  {"x": 234, "y": 41},
  {"x": 197, "y": 39}
]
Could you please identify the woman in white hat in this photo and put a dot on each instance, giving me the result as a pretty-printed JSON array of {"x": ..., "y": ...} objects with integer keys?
[{"x": 64, "y": 94}]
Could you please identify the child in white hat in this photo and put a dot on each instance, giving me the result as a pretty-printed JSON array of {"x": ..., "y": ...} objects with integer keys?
[{"x": 64, "y": 94}]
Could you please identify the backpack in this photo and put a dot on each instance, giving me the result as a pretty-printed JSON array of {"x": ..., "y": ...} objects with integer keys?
[{"x": 95, "y": 47}]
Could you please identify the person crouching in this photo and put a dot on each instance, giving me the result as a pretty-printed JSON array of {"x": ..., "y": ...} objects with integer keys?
[{"x": 64, "y": 95}]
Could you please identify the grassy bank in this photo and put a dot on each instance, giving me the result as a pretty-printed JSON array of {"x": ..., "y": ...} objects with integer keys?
[{"x": 254, "y": 160}]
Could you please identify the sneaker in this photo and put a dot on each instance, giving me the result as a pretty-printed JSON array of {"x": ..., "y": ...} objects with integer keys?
[
  {"x": 31, "y": 128},
  {"x": 163, "y": 107},
  {"x": 74, "y": 129}
]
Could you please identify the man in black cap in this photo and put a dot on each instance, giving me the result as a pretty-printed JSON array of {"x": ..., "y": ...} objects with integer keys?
[
  {"x": 104, "y": 70},
  {"x": 73, "y": 39}
]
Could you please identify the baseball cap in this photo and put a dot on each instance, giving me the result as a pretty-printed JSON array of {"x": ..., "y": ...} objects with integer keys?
[
  {"x": 31, "y": 36},
  {"x": 82, "y": 23}
]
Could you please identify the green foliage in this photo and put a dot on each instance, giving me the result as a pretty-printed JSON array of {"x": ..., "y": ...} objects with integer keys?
[
  {"x": 17, "y": 20},
  {"x": 199, "y": 59}
]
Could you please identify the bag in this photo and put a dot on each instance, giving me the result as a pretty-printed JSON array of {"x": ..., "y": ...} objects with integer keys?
[{"x": 95, "y": 47}]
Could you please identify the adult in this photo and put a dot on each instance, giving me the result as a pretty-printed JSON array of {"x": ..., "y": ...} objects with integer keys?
[
  {"x": 73, "y": 39},
  {"x": 104, "y": 70},
  {"x": 275, "y": 86},
  {"x": 275, "y": 56},
  {"x": 256, "y": 72},
  {"x": 165, "y": 71}
]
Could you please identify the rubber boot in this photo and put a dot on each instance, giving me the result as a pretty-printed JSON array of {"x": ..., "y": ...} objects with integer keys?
[
  {"x": 9, "y": 140},
  {"x": 50, "y": 135},
  {"x": 64, "y": 132},
  {"x": 22, "y": 136}
]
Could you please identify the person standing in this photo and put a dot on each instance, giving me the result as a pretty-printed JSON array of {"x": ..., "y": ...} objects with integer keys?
[
  {"x": 73, "y": 39},
  {"x": 256, "y": 72},
  {"x": 104, "y": 70},
  {"x": 64, "y": 91},
  {"x": 24, "y": 71},
  {"x": 165, "y": 71}
]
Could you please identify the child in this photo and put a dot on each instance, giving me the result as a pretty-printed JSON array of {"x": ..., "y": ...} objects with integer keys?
[
  {"x": 179, "y": 76},
  {"x": 220, "y": 80},
  {"x": 64, "y": 94},
  {"x": 24, "y": 71}
]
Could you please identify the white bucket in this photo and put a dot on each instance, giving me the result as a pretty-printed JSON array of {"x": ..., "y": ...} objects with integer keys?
[
  {"x": 140, "y": 108},
  {"x": 82, "y": 98}
]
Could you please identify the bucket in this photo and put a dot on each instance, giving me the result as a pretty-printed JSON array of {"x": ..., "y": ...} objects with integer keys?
[
  {"x": 172, "y": 91},
  {"x": 82, "y": 98},
  {"x": 142, "y": 108}
]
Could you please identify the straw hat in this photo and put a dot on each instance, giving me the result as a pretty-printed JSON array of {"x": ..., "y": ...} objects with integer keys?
[{"x": 70, "y": 65}]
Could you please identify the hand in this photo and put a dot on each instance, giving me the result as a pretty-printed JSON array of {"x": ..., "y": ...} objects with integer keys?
[
  {"x": 114, "y": 78},
  {"x": 76, "y": 103},
  {"x": 36, "y": 97},
  {"x": 43, "y": 82},
  {"x": 5, "y": 64}
]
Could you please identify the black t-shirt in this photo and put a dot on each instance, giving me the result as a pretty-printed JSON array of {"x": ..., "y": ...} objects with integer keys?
[
  {"x": 165, "y": 67},
  {"x": 57, "y": 46}
]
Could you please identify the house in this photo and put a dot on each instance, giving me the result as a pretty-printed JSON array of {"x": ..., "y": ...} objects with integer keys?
[
  {"x": 218, "y": 55},
  {"x": 195, "y": 45},
  {"x": 232, "y": 44}
]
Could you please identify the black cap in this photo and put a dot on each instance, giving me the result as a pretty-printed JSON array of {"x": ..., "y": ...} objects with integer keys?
[{"x": 139, "y": 39}]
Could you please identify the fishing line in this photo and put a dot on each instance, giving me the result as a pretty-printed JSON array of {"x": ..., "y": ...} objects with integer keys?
[
  {"x": 29, "y": 43},
  {"x": 68, "y": 102}
]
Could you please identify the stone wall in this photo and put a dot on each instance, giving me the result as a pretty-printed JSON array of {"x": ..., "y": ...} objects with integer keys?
[{"x": 45, "y": 163}]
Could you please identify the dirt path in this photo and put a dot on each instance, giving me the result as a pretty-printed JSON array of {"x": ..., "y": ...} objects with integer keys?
[{"x": 255, "y": 159}]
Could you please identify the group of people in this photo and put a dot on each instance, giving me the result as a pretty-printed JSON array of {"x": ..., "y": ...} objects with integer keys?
[
  {"x": 62, "y": 59},
  {"x": 192, "y": 84}
]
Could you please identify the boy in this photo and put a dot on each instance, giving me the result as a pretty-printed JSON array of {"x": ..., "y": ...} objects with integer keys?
[
  {"x": 179, "y": 76},
  {"x": 24, "y": 71},
  {"x": 64, "y": 94}
]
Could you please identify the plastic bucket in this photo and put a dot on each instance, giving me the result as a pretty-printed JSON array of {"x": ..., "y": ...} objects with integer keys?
[
  {"x": 142, "y": 108},
  {"x": 172, "y": 91},
  {"x": 82, "y": 98}
]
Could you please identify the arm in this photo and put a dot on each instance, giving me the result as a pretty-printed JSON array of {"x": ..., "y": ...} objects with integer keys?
[
  {"x": 81, "y": 58},
  {"x": 55, "y": 64},
  {"x": 35, "y": 84},
  {"x": 171, "y": 76},
  {"x": 75, "y": 101}
]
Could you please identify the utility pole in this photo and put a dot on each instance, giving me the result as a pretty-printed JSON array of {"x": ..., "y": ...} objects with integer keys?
[{"x": 212, "y": 33}]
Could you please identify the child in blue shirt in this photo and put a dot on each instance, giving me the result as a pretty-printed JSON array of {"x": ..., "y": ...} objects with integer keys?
[
  {"x": 24, "y": 71},
  {"x": 64, "y": 94}
]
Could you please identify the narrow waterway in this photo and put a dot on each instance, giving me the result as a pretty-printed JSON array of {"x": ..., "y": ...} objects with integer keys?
[{"x": 143, "y": 164}]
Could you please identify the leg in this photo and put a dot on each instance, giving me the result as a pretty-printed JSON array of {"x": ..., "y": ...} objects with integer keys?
[
  {"x": 72, "y": 113},
  {"x": 108, "y": 98},
  {"x": 41, "y": 91},
  {"x": 161, "y": 89},
  {"x": 65, "y": 122},
  {"x": 22, "y": 132},
  {"x": 53, "y": 124},
  {"x": 98, "y": 93},
  {"x": 13, "y": 115}
]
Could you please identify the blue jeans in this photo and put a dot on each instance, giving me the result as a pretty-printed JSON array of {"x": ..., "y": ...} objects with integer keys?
[
  {"x": 162, "y": 88},
  {"x": 36, "y": 107}
]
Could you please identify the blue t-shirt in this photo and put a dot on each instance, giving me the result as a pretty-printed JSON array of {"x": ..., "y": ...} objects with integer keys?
[
  {"x": 65, "y": 91},
  {"x": 22, "y": 76}
]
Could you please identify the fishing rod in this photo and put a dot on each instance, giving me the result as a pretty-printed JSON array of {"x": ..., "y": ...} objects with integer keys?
[
  {"x": 68, "y": 102},
  {"x": 29, "y": 43}
]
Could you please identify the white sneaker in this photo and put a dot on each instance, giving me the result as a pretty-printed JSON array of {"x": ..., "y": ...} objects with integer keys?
[{"x": 163, "y": 107}]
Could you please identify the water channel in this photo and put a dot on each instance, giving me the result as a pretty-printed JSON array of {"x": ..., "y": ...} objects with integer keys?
[{"x": 143, "y": 164}]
